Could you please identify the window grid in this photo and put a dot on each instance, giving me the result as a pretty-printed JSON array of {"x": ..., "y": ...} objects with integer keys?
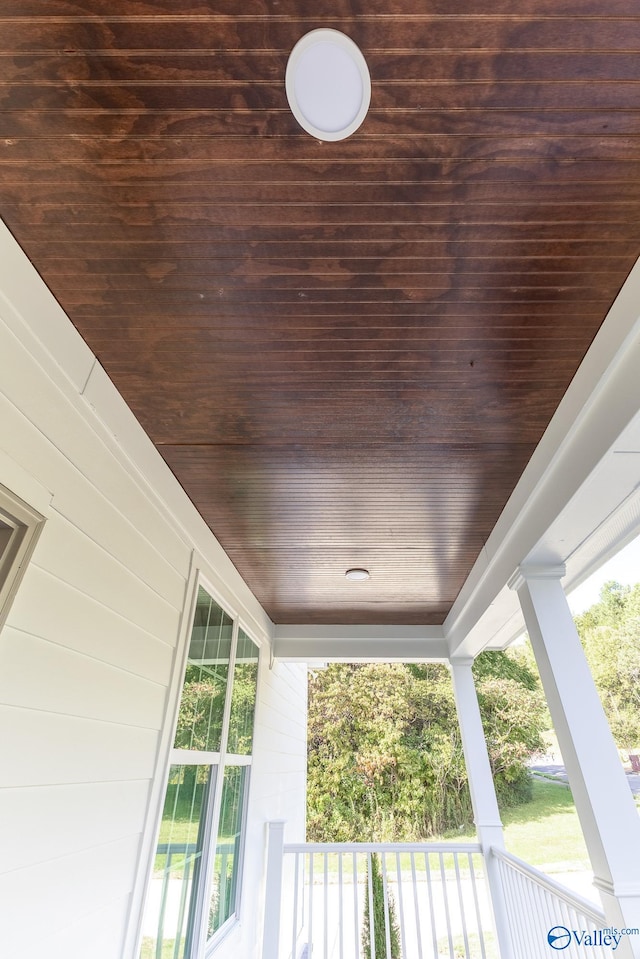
[{"x": 217, "y": 648}]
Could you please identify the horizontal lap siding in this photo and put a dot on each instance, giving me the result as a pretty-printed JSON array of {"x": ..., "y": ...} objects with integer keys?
[
  {"x": 83, "y": 687},
  {"x": 86, "y": 658},
  {"x": 112, "y": 637},
  {"x": 34, "y": 917},
  {"x": 102, "y": 927},
  {"x": 62, "y": 819}
]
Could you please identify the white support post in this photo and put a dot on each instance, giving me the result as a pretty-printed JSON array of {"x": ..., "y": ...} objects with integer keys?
[
  {"x": 273, "y": 889},
  {"x": 604, "y": 803},
  {"x": 483, "y": 795}
]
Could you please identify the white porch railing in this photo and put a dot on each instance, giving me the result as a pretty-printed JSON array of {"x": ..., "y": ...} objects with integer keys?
[
  {"x": 539, "y": 907},
  {"x": 435, "y": 895}
]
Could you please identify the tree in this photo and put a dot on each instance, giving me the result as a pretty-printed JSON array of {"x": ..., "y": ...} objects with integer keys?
[
  {"x": 381, "y": 923},
  {"x": 385, "y": 759},
  {"x": 610, "y": 634}
]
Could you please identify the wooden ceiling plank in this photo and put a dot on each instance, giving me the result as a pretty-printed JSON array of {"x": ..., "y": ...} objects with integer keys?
[
  {"x": 364, "y": 340},
  {"x": 426, "y": 66},
  {"x": 523, "y": 31},
  {"x": 31, "y": 10}
]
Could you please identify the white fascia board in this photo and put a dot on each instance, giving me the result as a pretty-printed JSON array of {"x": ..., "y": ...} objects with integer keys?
[
  {"x": 600, "y": 404},
  {"x": 619, "y": 529},
  {"x": 359, "y": 644},
  {"x": 34, "y": 315}
]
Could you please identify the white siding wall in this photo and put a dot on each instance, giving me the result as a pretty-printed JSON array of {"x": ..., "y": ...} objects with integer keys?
[
  {"x": 278, "y": 784},
  {"x": 89, "y": 652}
]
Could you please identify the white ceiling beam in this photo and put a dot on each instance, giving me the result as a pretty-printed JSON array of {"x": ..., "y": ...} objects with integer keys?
[{"x": 358, "y": 644}]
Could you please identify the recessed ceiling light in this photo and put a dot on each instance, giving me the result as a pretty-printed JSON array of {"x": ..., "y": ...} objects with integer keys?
[
  {"x": 328, "y": 84},
  {"x": 358, "y": 575}
]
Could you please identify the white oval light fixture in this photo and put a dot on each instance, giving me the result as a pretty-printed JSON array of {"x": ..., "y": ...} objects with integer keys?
[
  {"x": 358, "y": 575},
  {"x": 328, "y": 84}
]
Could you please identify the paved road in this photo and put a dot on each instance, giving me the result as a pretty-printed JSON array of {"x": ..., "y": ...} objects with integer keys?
[{"x": 560, "y": 773}]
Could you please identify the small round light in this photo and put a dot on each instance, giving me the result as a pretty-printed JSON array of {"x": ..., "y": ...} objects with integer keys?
[
  {"x": 328, "y": 84},
  {"x": 358, "y": 575}
]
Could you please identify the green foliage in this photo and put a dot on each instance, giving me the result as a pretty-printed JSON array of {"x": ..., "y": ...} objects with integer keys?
[
  {"x": 513, "y": 714},
  {"x": 381, "y": 923},
  {"x": 243, "y": 702},
  {"x": 385, "y": 759},
  {"x": 610, "y": 634},
  {"x": 201, "y": 709}
]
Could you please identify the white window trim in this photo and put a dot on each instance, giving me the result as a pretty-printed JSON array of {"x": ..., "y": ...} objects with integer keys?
[
  {"x": 220, "y": 760},
  {"x": 21, "y": 527}
]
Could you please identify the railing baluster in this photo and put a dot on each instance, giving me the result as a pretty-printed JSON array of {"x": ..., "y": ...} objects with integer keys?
[
  {"x": 294, "y": 928},
  {"x": 310, "y": 901},
  {"x": 183, "y": 901},
  {"x": 325, "y": 875},
  {"x": 550, "y": 907},
  {"x": 463, "y": 917},
  {"x": 513, "y": 910},
  {"x": 224, "y": 880},
  {"x": 403, "y": 935},
  {"x": 163, "y": 901},
  {"x": 536, "y": 899},
  {"x": 385, "y": 899},
  {"x": 340, "y": 909},
  {"x": 434, "y": 934},
  {"x": 476, "y": 903},
  {"x": 372, "y": 931},
  {"x": 445, "y": 894},
  {"x": 355, "y": 906},
  {"x": 542, "y": 903},
  {"x": 415, "y": 904}
]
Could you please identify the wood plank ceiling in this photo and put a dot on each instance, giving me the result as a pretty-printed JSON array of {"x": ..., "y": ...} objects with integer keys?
[{"x": 346, "y": 352}]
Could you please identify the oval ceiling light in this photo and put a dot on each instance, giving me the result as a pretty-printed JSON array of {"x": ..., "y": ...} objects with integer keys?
[
  {"x": 358, "y": 575},
  {"x": 328, "y": 84}
]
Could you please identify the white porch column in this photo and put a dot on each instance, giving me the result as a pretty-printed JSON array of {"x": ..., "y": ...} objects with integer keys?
[
  {"x": 483, "y": 795},
  {"x": 273, "y": 889},
  {"x": 607, "y": 812}
]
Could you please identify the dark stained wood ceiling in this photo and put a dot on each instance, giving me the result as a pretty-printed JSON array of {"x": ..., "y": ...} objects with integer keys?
[{"x": 346, "y": 352}]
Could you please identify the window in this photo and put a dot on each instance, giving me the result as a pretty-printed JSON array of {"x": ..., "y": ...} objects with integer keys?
[
  {"x": 19, "y": 529},
  {"x": 195, "y": 885}
]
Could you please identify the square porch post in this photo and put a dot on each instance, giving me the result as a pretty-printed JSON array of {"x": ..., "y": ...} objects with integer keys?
[
  {"x": 273, "y": 889},
  {"x": 604, "y": 803},
  {"x": 483, "y": 794}
]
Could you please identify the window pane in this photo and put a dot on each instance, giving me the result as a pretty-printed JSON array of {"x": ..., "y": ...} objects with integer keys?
[
  {"x": 165, "y": 929},
  {"x": 228, "y": 848},
  {"x": 243, "y": 699},
  {"x": 205, "y": 682}
]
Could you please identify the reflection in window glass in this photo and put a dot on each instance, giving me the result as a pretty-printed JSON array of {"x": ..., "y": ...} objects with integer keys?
[
  {"x": 228, "y": 848},
  {"x": 205, "y": 683},
  {"x": 243, "y": 698},
  {"x": 183, "y": 896},
  {"x": 177, "y": 863}
]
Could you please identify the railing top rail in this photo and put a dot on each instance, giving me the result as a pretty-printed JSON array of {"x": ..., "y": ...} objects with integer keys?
[
  {"x": 572, "y": 898},
  {"x": 402, "y": 847}
]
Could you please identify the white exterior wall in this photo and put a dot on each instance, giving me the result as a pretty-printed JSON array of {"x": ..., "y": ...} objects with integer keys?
[
  {"x": 92, "y": 645},
  {"x": 278, "y": 787}
]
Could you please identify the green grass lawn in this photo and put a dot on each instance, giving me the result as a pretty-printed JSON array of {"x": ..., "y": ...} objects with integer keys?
[{"x": 544, "y": 832}]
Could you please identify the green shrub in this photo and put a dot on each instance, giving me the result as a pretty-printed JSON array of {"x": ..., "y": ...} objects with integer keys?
[{"x": 381, "y": 924}]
